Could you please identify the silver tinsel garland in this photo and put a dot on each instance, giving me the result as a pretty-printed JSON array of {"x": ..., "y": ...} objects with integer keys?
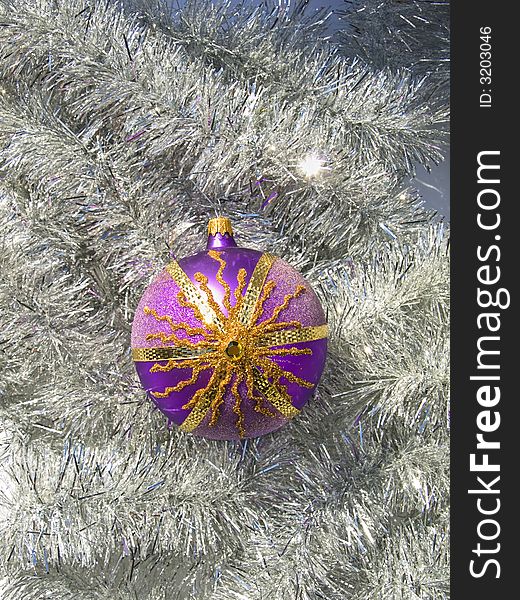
[
  {"x": 123, "y": 127},
  {"x": 412, "y": 34}
]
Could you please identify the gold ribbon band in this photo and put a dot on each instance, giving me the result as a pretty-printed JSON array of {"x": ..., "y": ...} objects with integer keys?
[
  {"x": 261, "y": 383},
  {"x": 276, "y": 338},
  {"x": 254, "y": 289},
  {"x": 167, "y": 353},
  {"x": 294, "y": 336},
  {"x": 192, "y": 293},
  {"x": 199, "y": 411},
  {"x": 273, "y": 396}
]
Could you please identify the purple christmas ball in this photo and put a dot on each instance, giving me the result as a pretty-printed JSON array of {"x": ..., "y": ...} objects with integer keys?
[{"x": 229, "y": 343}]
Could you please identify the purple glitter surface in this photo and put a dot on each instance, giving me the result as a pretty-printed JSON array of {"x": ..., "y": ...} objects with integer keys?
[{"x": 161, "y": 296}]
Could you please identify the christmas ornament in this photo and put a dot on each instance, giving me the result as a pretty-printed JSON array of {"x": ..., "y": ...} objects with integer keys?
[{"x": 229, "y": 343}]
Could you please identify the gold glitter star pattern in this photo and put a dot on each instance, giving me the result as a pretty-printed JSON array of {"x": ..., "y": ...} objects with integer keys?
[{"x": 236, "y": 347}]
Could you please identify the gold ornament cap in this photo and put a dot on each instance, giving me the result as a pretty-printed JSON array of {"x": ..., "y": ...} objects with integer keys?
[
  {"x": 220, "y": 225},
  {"x": 220, "y": 233}
]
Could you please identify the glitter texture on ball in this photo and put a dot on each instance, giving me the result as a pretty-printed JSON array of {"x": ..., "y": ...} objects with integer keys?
[{"x": 229, "y": 343}]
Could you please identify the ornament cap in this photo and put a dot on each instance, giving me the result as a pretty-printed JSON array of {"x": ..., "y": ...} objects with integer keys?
[{"x": 220, "y": 233}]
